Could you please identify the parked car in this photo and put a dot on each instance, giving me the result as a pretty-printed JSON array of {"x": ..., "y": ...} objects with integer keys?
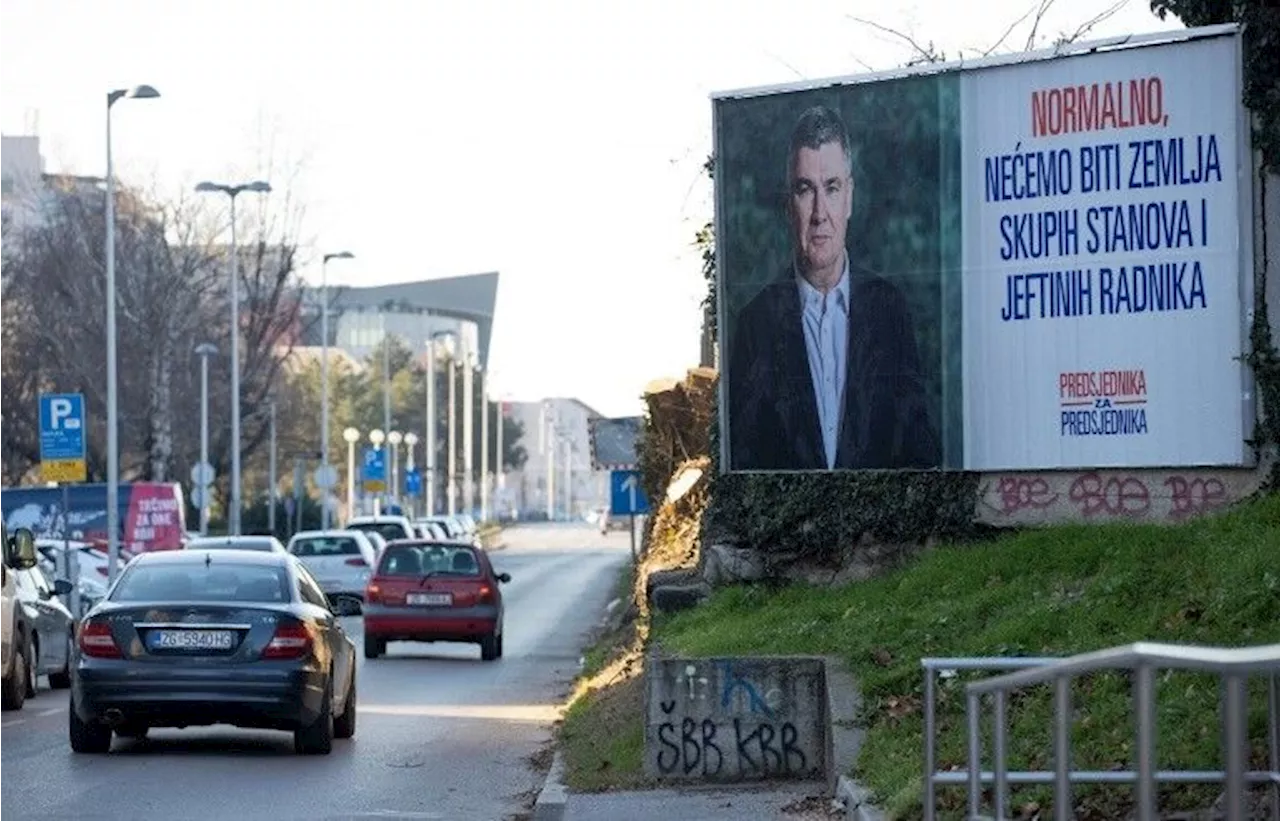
[
  {"x": 266, "y": 544},
  {"x": 434, "y": 591},
  {"x": 453, "y": 527},
  {"x": 257, "y": 620},
  {"x": 340, "y": 560},
  {"x": 93, "y": 565},
  {"x": 18, "y": 680},
  {"x": 389, "y": 527},
  {"x": 52, "y": 626},
  {"x": 431, "y": 531}
]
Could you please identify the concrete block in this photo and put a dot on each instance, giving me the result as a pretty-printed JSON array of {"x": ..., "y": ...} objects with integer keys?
[{"x": 737, "y": 719}]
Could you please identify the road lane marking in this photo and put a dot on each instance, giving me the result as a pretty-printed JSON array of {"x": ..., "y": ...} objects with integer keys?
[
  {"x": 52, "y": 711},
  {"x": 15, "y": 722}
]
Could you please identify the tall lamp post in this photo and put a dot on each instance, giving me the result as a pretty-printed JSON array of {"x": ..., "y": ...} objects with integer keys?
[
  {"x": 233, "y": 191},
  {"x": 324, "y": 372},
  {"x": 113, "y": 415},
  {"x": 204, "y": 351},
  {"x": 394, "y": 438},
  {"x": 351, "y": 436},
  {"x": 484, "y": 444}
]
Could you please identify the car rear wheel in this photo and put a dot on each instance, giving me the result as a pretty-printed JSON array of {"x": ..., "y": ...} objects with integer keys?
[
  {"x": 344, "y": 726},
  {"x": 61, "y": 679},
  {"x": 489, "y": 647},
  {"x": 317, "y": 739},
  {"x": 87, "y": 737},
  {"x": 500, "y": 636},
  {"x": 374, "y": 646}
]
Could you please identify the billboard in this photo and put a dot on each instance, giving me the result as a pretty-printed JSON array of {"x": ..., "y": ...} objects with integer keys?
[{"x": 1041, "y": 261}]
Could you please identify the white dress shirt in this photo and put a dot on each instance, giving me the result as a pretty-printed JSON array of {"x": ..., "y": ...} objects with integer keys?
[{"x": 826, "y": 332}]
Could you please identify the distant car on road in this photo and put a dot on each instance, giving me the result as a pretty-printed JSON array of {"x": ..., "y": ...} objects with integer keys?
[
  {"x": 340, "y": 560},
  {"x": 196, "y": 638},
  {"x": 266, "y": 544},
  {"x": 387, "y": 526},
  {"x": 434, "y": 591}
]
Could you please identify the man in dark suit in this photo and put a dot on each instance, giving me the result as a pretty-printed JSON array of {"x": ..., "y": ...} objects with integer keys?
[{"x": 824, "y": 371}]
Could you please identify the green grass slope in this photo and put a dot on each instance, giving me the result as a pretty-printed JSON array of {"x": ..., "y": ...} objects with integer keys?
[{"x": 1052, "y": 591}]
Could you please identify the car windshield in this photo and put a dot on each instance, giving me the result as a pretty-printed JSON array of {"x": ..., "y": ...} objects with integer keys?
[
  {"x": 200, "y": 581},
  {"x": 325, "y": 546},
  {"x": 387, "y": 530},
  {"x": 230, "y": 544},
  {"x": 436, "y": 560}
]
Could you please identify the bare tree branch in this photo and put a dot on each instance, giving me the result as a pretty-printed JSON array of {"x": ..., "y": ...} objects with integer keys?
[
  {"x": 1009, "y": 31},
  {"x": 1045, "y": 5},
  {"x": 1088, "y": 25},
  {"x": 923, "y": 54}
]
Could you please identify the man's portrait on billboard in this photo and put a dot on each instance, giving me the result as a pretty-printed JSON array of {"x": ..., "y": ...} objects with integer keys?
[{"x": 824, "y": 369}]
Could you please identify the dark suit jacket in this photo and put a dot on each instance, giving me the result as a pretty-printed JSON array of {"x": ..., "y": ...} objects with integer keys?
[{"x": 773, "y": 413}]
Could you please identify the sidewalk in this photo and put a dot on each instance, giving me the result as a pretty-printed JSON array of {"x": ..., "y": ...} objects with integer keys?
[{"x": 797, "y": 802}]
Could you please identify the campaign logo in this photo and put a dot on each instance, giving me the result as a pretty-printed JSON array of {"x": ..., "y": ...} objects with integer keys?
[{"x": 1103, "y": 403}]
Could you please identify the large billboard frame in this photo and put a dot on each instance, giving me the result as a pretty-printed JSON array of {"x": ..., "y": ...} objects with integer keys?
[{"x": 1246, "y": 204}]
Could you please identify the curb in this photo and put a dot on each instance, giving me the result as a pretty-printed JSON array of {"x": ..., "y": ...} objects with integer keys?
[
  {"x": 856, "y": 800},
  {"x": 553, "y": 796}
]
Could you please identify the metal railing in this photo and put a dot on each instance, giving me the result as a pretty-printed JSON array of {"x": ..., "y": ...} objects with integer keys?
[{"x": 1234, "y": 666}]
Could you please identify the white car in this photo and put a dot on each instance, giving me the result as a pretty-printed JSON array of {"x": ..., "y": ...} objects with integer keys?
[
  {"x": 452, "y": 527},
  {"x": 92, "y": 567},
  {"x": 340, "y": 560},
  {"x": 432, "y": 531},
  {"x": 268, "y": 544},
  {"x": 388, "y": 527}
]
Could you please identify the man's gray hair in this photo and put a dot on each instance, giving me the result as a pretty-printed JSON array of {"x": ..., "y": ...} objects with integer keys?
[{"x": 816, "y": 127}]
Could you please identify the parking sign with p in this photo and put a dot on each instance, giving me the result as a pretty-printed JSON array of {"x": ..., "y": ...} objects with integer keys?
[{"x": 62, "y": 437}]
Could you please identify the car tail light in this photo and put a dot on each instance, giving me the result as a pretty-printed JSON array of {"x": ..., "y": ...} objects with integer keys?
[
  {"x": 290, "y": 641},
  {"x": 372, "y": 594},
  {"x": 103, "y": 570},
  {"x": 96, "y": 640},
  {"x": 486, "y": 594},
  {"x": 357, "y": 562}
]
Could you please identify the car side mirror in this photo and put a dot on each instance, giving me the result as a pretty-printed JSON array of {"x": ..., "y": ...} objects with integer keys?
[
  {"x": 62, "y": 587},
  {"x": 504, "y": 577},
  {"x": 24, "y": 549}
]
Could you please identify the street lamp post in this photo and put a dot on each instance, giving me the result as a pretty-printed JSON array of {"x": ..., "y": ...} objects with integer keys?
[
  {"x": 468, "y": 430},
  {"x": 484, "y": 445},
  {"x": 351, "y": 436},
  {"x": 113, "y": 411},
  {"x": 429, "y": 457},
  {"x": 324, "y": 373},
  {"x": 394, "y": 438},
  {"x": 451, "y": 458},
  {"x": 271, "y": 474},
  {"x": 377, "y": 437},
  {"x": 233, "y": 191},
  {"x": 204, "y": 351}
]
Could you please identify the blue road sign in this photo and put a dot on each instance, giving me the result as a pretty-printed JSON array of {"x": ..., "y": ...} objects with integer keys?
[
  {"x": 626, "y": 496},
  {"x": 374, "y": 469},
  {"x": 62, "y": 437},
  {"x": 412, "y": 481}
]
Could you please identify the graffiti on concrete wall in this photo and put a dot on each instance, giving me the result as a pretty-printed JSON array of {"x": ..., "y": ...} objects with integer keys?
[
  {"x": 1106, "y": 494},
  {"x": 735, "y": 719}
]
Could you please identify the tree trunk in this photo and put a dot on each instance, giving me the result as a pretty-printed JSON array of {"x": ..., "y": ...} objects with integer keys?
[{"x": 161, "y": 410}]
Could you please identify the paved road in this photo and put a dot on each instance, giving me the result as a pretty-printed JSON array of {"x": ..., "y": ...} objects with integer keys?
[{"x": 441, "y": 735}]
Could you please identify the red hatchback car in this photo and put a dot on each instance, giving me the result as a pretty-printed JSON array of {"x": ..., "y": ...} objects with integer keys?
[{"x": 434, "y": 591}]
